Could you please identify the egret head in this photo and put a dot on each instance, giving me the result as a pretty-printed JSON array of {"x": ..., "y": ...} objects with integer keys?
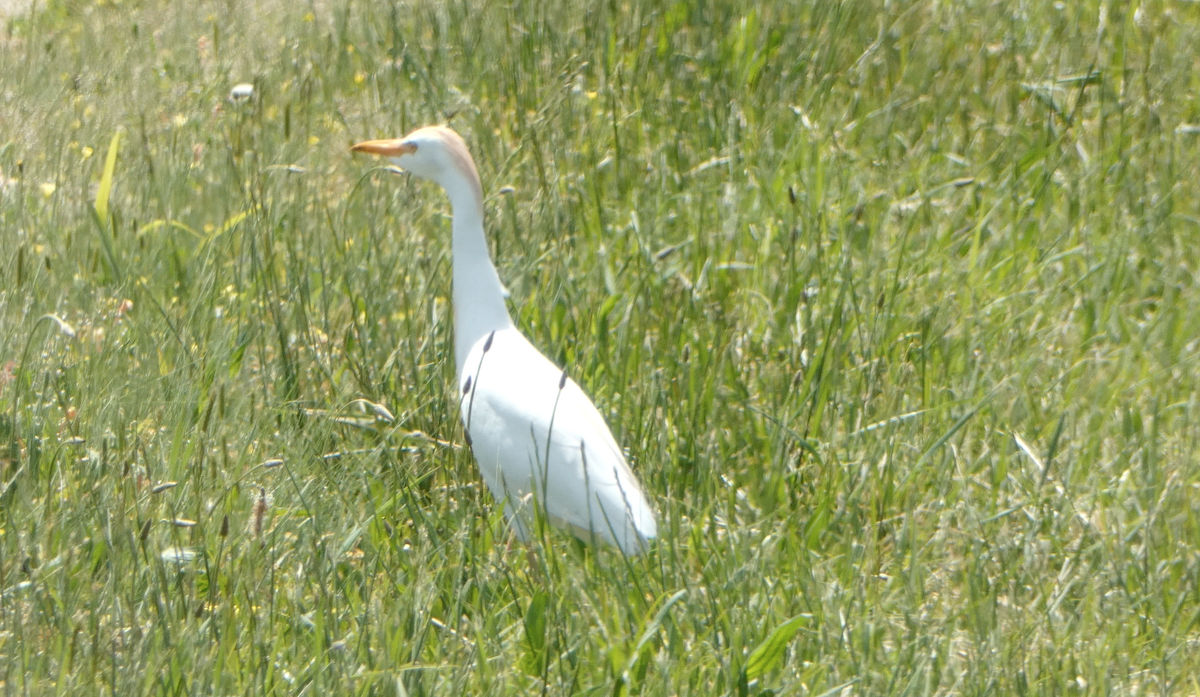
[{"x": 435, "y": 152}]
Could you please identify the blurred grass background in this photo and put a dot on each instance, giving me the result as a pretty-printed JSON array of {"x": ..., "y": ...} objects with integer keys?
[{"x": 894, "y": 304}]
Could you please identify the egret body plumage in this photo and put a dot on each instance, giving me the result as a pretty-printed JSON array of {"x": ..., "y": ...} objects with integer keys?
[{"x": 536, "y": 436}]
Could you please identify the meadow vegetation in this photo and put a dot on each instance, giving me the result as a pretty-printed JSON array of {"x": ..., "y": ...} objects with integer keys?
[{"x": 896, "y": 306}]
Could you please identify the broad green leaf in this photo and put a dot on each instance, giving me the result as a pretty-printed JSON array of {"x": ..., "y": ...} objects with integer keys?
[
  {"x": 767, "y": 655},
  {"x": 106, "y": 179},
  {"x": 535, "y": 621}
]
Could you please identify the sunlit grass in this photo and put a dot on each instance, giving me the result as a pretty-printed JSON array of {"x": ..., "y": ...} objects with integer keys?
[{"x": 894, "y": 305}]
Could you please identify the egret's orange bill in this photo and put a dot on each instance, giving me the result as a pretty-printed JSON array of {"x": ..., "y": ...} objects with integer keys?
[{"x": 391, "y": 147}]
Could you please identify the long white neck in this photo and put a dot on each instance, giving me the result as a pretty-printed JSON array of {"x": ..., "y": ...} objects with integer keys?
[{"x": 479, "y": 307}]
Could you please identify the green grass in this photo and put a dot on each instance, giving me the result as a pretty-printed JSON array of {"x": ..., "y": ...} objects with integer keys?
[{"x": 895, "y": 305}]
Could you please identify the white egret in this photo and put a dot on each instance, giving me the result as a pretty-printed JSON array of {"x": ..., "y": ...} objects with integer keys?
[{"x": 535, "y": 435}]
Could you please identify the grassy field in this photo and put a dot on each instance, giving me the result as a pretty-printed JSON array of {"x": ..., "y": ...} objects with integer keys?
[{"x": 896, "y": 306}]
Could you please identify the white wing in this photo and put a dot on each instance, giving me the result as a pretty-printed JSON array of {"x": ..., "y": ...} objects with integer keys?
[{"x": 537, "y": 437}]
